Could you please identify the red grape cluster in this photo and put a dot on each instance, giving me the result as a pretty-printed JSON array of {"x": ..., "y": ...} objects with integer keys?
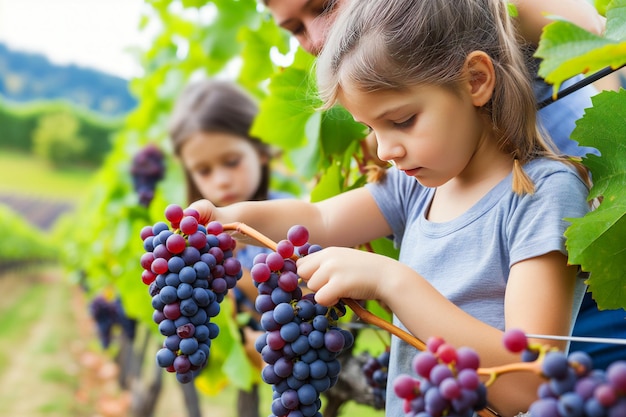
[
  {"x": 189, "y": 269},
  {"x": 572, "y": 388},
  {"x": 301, "y": 342},
  {"x": 447, "y": 382}
]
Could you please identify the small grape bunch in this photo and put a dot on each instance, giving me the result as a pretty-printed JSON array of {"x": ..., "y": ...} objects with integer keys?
[
  {"x": 447, "y": 382},
  {"x": 147, "y": 169},
  {"x": 572, "y": 387},
  {"x": 375, "y": 370},
  {"x": 302, "y": 341},
  {"x": 189, "y": 269}
]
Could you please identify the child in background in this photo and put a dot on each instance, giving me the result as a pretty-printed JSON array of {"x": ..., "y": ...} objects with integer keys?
[
  {"x": 476, "y": 199},
  {"x": 209, "y": 129}
]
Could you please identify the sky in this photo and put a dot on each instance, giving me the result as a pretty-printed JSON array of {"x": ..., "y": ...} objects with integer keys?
[{"x": 89, "y": 33}]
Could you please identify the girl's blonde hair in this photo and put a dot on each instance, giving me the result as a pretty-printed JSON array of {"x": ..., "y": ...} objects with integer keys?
[{"x": 394, "y": 44}]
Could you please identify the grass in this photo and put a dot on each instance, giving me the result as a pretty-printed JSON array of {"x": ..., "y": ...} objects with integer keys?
[{"x": 25, "y": 174}]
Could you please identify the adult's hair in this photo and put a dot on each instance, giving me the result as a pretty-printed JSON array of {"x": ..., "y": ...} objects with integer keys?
[
  {"x": 395, "y": 44},
  {"x": 215, "y": 106}
]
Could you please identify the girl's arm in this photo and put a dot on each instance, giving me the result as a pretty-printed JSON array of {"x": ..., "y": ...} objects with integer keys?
[
  {"x": 538, "y": 300},
  {"x": 533, "y": 15},
  {"x": 348, "y": 219}
]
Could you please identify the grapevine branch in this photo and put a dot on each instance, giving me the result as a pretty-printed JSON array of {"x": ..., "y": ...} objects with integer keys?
[{"x": 361, "y": 312}]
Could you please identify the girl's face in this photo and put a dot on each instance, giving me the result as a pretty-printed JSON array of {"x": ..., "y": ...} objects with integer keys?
[
  {"x": 224, "y": 167},
  {"x": 307, "y": 20},
  {"x": 428, "y": 132}
]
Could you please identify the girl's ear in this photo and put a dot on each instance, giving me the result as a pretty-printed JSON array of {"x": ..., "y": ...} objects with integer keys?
[{"x": 481, "y": 77}]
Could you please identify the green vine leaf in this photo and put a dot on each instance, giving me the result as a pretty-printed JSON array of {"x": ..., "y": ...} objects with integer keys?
[
  {"x": 596, "y": 241},
  {"x": 568, "y": 50},
  {"x": 284, "y": 113}
]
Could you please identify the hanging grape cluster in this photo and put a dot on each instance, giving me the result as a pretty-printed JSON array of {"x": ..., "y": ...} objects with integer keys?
[
  {"x": 189, "y": 269},
  {"x": 572, "y": 387},
  {"x": 376, "y": 370},
  {"x": 302, "y": 341},
  {"x": 446, "y": 382},
  {"x": 107, "y": 314},
  {"x": 147, "y": 169}
]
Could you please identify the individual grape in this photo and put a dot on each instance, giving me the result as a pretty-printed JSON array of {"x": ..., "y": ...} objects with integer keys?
[
  {"x": 555, "y": 365},
  {"x": 174, "y": 213},
  {"x": 189, "y": 271},
  {"x": 616, "y": 375},
  {"x": 515, "y": 340},
  {"x": 298, "y": 235}
]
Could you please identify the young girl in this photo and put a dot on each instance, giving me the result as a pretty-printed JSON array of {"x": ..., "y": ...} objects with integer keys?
[
  {"x": 310, "y": 20},
  {"x": 477, "y": 201},
  {"x": 209, "y": 129}
]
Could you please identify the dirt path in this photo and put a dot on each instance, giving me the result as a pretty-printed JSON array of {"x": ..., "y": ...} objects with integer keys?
[{"x": 50, "y": 364}]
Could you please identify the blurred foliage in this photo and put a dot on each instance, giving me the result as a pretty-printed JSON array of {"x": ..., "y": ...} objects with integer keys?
[
  {"x": 21, "y": 242},
  {"x": 56, "y": 139},
  {"x": 22, "y": 122}
]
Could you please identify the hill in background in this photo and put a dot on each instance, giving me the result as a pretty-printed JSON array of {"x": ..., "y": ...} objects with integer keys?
[{"x": 28, "y": 77}]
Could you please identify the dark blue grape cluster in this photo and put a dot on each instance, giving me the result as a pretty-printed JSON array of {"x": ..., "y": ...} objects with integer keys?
[
  {"x": 447, "y": 382},
  {"x": 572, "y": 387},
  {"x": 189, "y": 269},
  {"x": 302, "y": 341},
  {"x": 375, "y": 370},
  {"x": 107, "y": 314},
  {"x": 147, "y": 169}
]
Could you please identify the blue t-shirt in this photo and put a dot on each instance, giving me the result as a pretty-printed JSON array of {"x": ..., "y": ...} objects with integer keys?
[
  {"x": 592, "y": 322},
  {"x": 559, "y": 118},
  {"x": 469, "y": 258}
]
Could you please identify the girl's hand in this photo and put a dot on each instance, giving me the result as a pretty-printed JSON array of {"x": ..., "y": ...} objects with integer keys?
[
  {"x": 336, "y": 272},
  {"x": 206, "y": 209}
]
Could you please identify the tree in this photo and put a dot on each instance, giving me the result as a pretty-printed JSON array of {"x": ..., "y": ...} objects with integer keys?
[{"x": 56, "y": 138}]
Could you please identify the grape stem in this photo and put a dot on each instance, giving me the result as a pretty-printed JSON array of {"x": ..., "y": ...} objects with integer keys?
[
  {"x": 354, "y": 305},
  {"x": 496, "y": 371}
]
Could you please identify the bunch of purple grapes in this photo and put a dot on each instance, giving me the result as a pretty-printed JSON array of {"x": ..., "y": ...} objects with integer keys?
[
  {"x": 375, "y": 370},
  {"x": 189, "y": 269},
  {"x": 301, "y": 342},
  {"x": 447, "y": 382},
  {"x": 573, "y": 388},
  {"x": 104, "y": 313},
  {"x": 147, "y": 169},
  {"x": 107, "y": 314}
]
